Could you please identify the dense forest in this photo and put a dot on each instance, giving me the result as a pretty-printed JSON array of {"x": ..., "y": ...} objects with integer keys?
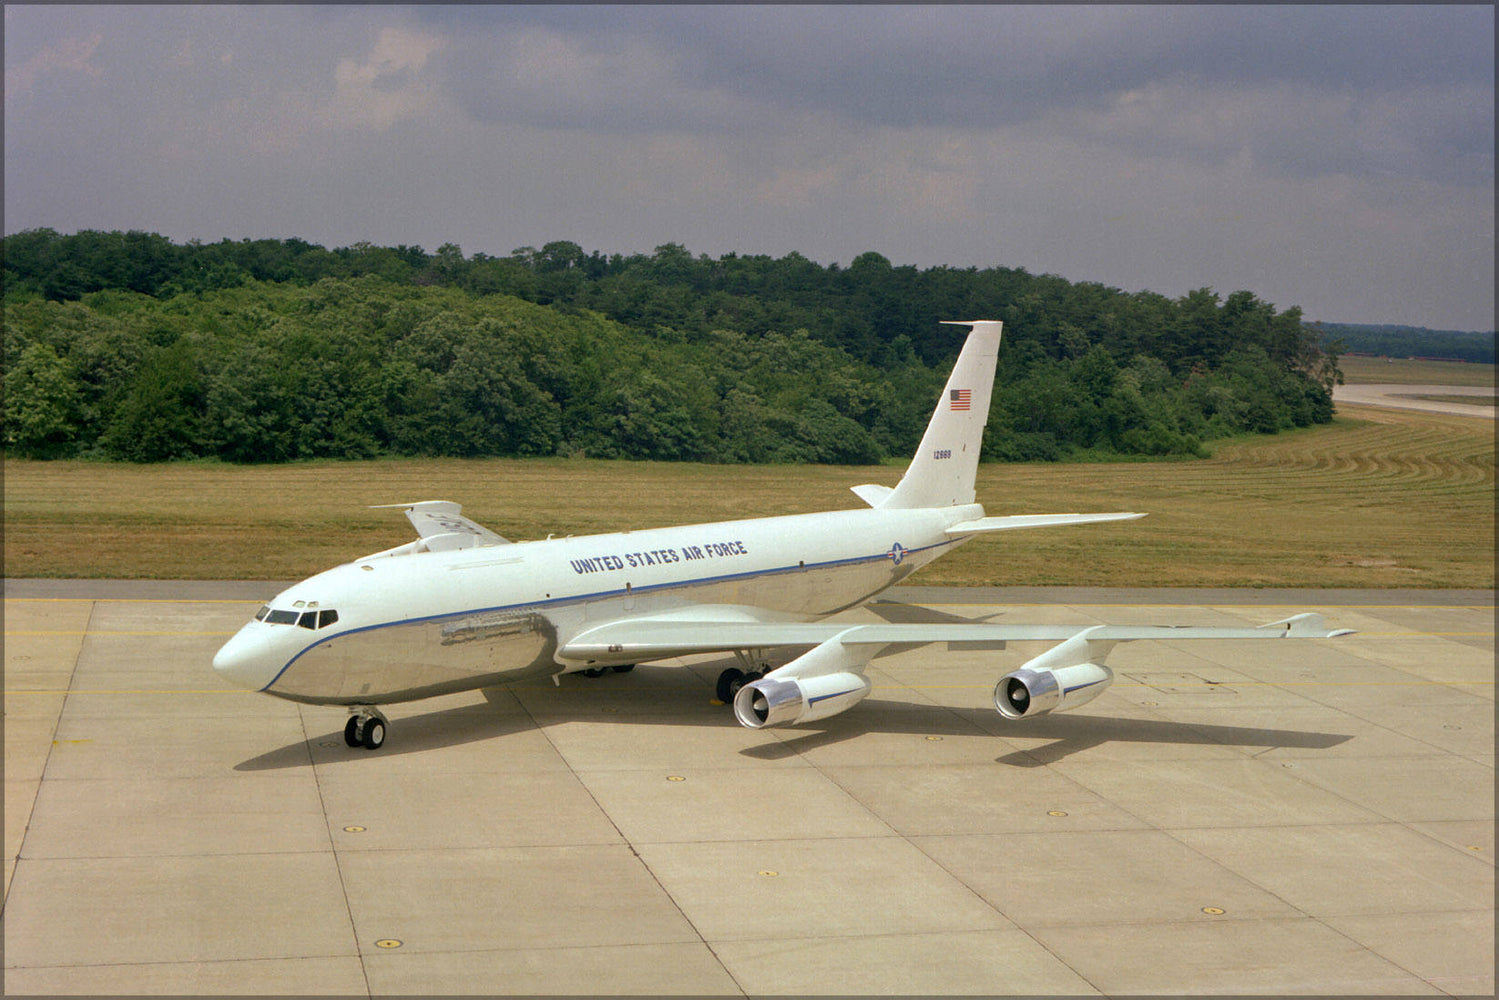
[
  {"x": 1413, "y": 342},
  {"x": 129, "y": 346}
]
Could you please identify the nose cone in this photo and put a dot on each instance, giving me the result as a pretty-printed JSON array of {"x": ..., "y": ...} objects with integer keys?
[{"x": 247, "y": 660}]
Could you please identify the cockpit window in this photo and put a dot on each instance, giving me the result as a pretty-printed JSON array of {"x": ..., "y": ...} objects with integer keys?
[{"x": 306, "y": 619}]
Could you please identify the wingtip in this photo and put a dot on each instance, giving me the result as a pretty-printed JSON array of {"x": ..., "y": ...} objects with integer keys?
[{"x": 1308, "y": 625}]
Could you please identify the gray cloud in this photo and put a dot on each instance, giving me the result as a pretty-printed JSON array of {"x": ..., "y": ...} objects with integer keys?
[
  {"x": 1340, "y": 158},
  {"x": 1398, "y": 88}
]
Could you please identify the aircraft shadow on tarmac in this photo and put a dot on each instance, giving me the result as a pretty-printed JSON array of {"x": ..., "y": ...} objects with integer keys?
[
  {"x": 1069, "y": 734},
  {"x": 448, "y": 727},
  {"x": 1073, "y": 733},
  {"x": 683, "y": 704}
]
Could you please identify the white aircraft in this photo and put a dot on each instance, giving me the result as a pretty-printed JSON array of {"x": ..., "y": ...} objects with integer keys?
[{"x": 461, "y": 608}]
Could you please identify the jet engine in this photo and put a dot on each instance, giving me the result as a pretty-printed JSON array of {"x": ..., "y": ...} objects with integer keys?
[
  {"x": 821, "y": 682},
  {"x": 1028, "y": 692},
  {"x": 769, "y": 702},
  {"x": 1060, "y": 679}
]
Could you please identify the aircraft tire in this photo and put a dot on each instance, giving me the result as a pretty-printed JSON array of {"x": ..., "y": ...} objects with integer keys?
[
  {"x": 729, "y": 683},
  {"x": 595, "y": 672},
  {"x": 351, "y": 732},
  {"x": 374, "y": 734},
  {"x": 623, "y": 668}
]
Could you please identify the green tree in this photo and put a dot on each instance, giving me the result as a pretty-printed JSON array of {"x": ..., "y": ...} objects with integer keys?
[
  {"x": 160, "y": 416},
  {"x": 41, "y": 404}
]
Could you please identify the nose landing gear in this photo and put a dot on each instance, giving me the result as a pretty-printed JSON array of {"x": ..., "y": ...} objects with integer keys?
[{"x": 365, "y": 728}]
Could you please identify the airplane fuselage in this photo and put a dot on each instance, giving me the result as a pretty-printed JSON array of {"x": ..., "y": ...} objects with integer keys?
[
  {"x": 415, "y": 626},
  {"x": 462, "y": 608}
]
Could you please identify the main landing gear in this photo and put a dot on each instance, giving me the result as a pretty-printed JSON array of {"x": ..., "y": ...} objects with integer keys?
[
  {"x": 732, "y": 679},
  {"x": 618, "y": 668},
  {"x": 365, "y": 728}
]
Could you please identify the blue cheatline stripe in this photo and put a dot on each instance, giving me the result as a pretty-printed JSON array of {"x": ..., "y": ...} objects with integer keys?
[
  {"x": 597, "y": 595},
  {"x": 1079, "y": 687},
  {"x": 825, "y": 697}
]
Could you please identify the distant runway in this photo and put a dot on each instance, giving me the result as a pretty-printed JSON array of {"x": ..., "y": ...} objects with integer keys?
[
  {"x": 1408, "y": 397},
  {"x": 1230, "y": 817}
]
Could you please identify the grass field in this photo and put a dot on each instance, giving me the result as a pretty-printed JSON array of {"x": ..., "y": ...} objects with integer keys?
[
  {"x": 1360, "y": 371},
  {"x": 1380, "y": 498}
]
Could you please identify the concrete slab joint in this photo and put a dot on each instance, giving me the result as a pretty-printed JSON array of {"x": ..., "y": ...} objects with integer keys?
[{"x": 1227, "y": 818}]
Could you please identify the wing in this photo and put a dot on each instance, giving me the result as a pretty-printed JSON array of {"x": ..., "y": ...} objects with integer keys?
[
  {"x": 724, "y": 629},
  {"x": 441, "y": 526}
]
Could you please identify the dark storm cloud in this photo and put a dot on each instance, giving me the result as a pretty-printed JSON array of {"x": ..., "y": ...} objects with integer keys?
[
  {"x": 1306, "y": 90},
  {"x": 1335, "y": 157}
]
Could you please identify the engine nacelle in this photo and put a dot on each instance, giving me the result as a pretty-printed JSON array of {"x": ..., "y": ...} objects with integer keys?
[
  {"x": 773, "y": 702},
  {"x": 823, "y": 681},
  {"x": 1038, "y": 690},
  {"x": 1062, "y": 678}
]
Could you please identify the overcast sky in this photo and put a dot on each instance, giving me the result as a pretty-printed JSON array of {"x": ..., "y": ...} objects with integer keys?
[{"x": 1338, "y": 158}]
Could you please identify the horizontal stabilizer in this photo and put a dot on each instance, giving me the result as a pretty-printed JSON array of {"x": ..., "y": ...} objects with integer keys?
[
  {"x": 872, "y": 493},
  {"x": 434, "y": 518},
  {"x": 984, "y": 524}
]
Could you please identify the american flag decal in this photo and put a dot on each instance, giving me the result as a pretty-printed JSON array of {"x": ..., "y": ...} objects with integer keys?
[{"x": 958, "y": 399}]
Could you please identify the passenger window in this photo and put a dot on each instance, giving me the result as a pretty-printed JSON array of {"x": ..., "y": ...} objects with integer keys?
[
  {"x": 265, "y": 609},
  {"x": 326, "y": 618},
  {"x": 281, "y": 618}
]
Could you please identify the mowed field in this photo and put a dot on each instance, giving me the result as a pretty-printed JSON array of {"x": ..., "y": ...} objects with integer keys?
[
  {"x": 1365, "y": 371},
  {"x": 1380, "y": 498}
]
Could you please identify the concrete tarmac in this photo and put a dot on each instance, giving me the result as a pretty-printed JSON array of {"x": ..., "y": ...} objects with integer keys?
[
  {"x": 1286, "y": 817},
  {"x": 1427, "y": 398}
]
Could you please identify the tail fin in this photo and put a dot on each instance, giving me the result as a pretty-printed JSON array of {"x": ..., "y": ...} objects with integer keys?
[{"x": 942, "y": 473}]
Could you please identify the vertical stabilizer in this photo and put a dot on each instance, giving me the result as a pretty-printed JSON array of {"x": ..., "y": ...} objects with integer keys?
[{"x": 942, "y": 473}]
